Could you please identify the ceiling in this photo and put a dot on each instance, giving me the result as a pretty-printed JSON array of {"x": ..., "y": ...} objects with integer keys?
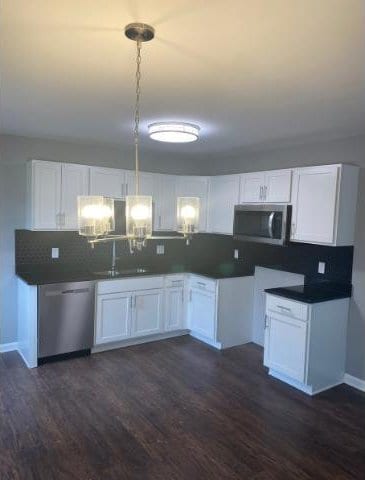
[{"x": 249, "y": 72}]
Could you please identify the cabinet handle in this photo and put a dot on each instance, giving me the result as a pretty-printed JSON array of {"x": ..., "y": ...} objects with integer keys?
[
  {"x": 131, "y": 302},
  {"x": 122, "y": 190},
  {"x": 284, "y": 308},
  {"x": 260, "y": 193},
  {"x": 266, "y": 322},
  {"x": 159, "y": 221},
  {"x": 201, "y": 284},
  {"x": 190, "y": 295},
  {"x": 126, "y": 189},
  {"x": 265, "y": 193}
]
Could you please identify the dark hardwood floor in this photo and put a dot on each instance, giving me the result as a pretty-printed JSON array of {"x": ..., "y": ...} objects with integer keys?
[{"x": 174, "y": 409}]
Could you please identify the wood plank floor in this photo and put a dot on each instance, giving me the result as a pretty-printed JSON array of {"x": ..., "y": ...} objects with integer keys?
[{"x": 174, "y": 409}]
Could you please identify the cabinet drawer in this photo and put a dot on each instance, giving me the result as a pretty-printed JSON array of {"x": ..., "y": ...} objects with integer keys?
[
  {"x": 286, "y": 307},
  {"x": 174, "y": 281},
  {"x": 202, "y": 283},
  {"x": 129, "y": 284}
]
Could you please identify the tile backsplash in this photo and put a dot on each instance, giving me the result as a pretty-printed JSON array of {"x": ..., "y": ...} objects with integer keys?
[{"x": 205, "y": 252}]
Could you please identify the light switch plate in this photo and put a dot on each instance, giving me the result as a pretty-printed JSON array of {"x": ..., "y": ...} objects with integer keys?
[
  {"x": 160, "y": 249},
  {"x": 236, "y": 253},
  {"x": 55, "y": 253},
  {"x": 321, "y": 267}
]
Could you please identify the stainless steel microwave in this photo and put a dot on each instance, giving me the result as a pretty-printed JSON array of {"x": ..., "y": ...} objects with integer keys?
[{"x": 262, "y": 223}]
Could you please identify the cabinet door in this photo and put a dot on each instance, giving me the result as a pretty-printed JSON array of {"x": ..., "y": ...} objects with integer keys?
[
  {"x": 75, "y": 181},
  {"x": 195, "y": 187},
  {"x": 201, "y": 313},
  {"x": 278, "y": 186},
  {"x": 252, "y": 187},
  {"x": 286, "y": 346},
  {"x": 147, "y": 312},
  {"x": 109, "y": 182},
  {"x": 174, "y": 310},
  {"x": 165, "y": 217},
  {"x": 314, "y": 204},
  {"x": 148, "y": 185},
  {"x": 46, "y": 195},
  {"x": 113, "y": 317},
  {"x": 223, "y": 196}
]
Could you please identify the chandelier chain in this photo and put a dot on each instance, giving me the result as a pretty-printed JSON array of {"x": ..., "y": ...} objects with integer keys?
[{"x": 137, "y": 113}]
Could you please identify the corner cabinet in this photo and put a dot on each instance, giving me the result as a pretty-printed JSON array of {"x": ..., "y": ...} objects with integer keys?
[
  {"x": 219, "y": 312},
  {"x": 53, "y": 189},
  {"x": 223, "y": 196},
  {"x": 324, "y": 204},
  {"x": 305, "y": 344}
]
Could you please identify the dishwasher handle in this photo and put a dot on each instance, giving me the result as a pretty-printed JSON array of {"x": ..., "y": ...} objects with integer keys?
[{"x": 56, "y": 293}]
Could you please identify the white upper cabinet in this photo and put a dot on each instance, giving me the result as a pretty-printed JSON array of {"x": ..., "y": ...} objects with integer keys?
[
  {"x": 165, "y": 210},
  {"x": 324, "y": 204},
  {"x": 223, "y": 196},
  {"x": 109, "y": 182},
  {"x": 266, "y": 187},
  {"x": 163, "y": 192},
  {"x": 44, "y": 183},
  {"x": 277, "y": 187},
  {"x": 195, "y": 186},
  {"x": 75, "y": 182},
  {"x": 54, "y": 188},
  {"x": 251, "y": 189}
]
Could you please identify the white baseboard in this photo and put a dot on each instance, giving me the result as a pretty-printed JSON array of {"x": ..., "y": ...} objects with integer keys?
[
  {"x": 354, "y": 382},
  {"x": 138, "y": 340},
  {"x": 8, "y": 347}
]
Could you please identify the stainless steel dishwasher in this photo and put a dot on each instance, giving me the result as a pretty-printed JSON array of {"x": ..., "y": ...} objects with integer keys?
[{"x": 65, "y": 318}]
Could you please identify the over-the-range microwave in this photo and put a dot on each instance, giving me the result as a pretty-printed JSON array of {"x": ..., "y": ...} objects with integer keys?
[{"x": 262, "y": 223}]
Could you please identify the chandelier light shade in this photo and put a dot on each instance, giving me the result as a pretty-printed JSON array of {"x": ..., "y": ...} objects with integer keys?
[
  {"x": 138, "y": 218},
  {"x": 188, "y": 209},
  {"x": 95, "y": 215},
  {"x": 174, "y": 132}
]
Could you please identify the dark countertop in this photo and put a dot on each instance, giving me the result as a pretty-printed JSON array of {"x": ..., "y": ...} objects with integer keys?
[
  {"x": 37, "y": 275},
  {"x": 313, "y": 293}
]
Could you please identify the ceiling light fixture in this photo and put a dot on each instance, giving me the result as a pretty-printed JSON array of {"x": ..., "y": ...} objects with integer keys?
[
  {"x": 174, "y": 132},
  {"x": 96, "y": 213}
]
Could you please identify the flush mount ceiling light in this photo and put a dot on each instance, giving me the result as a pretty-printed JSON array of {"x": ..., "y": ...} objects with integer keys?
[
  {"x": 96, "y": 214},
  {"x": 174, "y": 132}
]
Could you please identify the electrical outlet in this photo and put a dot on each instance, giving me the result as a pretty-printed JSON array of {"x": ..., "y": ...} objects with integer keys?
[
  {"x": 321, "y": 267},
  {"x": 55, "y": 252},
  {"x": 236, "y": 253},
  {"x": 160, "y": 249}
]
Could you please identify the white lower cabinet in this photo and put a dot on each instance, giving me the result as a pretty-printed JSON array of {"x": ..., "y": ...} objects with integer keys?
[
  {"x": 218, "y": 312},
  {"x": 286, "y": 346},
  {"x": 305, "y": 344},
  {"x": 147, "y": 317},
  {"x": 174, "y": 308},
  {"x": 202, "y": 313},
  {"x": 113, "y": 317}
]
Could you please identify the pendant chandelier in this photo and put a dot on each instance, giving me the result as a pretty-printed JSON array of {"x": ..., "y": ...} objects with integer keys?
[{"x": 96, "y": 213}]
